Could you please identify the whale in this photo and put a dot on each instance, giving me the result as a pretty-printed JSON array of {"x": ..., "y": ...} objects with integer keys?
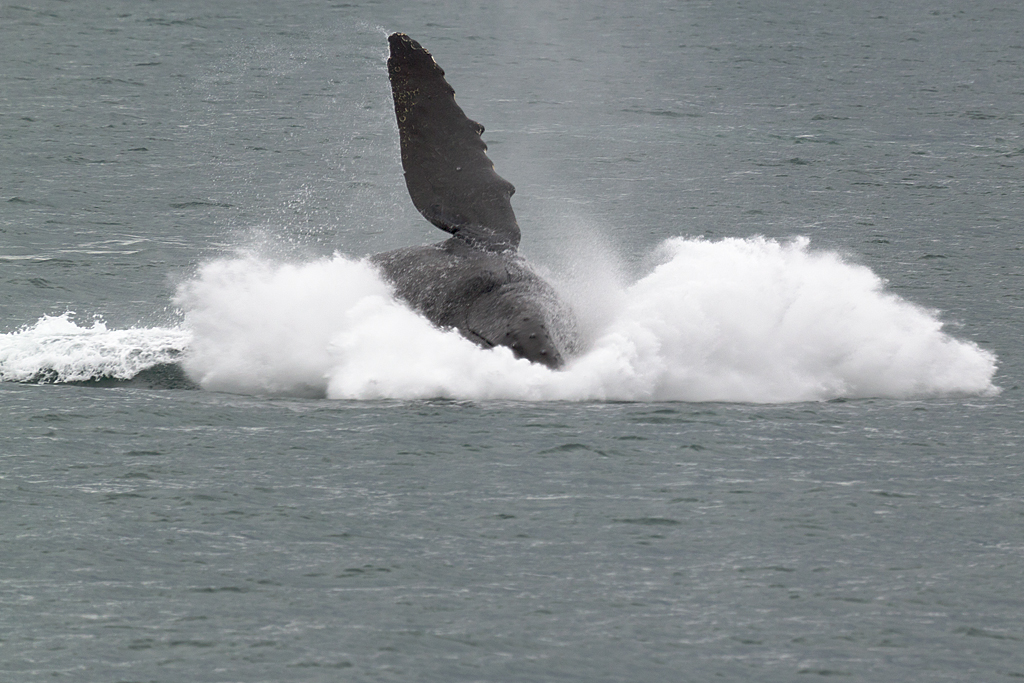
[{"x": 475, "y": 281}]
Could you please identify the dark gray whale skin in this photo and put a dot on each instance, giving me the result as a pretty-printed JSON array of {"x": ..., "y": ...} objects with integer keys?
[
  {"x": 475, "y": 281},
  {"x": 492, "y": 298}
]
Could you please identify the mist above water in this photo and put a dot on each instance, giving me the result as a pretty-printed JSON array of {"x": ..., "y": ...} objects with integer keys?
[
  {"x": 750, "y": 320},
  {"x": 746, "y": 320}
]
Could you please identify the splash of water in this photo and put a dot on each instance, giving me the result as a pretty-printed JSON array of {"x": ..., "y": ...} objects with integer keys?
[
  {"x": 750, "y": 320},
  {"x": 56, "y": 349}
]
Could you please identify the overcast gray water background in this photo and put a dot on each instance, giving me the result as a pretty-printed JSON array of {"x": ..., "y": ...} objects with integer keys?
[{"x": 182, "y": 535}]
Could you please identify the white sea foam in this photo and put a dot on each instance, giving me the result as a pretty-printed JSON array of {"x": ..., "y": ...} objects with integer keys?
[
  {"x": 733, "y": 320},
  {"x": 750, "y": 320},
  {"x": 56, "y": 349}
]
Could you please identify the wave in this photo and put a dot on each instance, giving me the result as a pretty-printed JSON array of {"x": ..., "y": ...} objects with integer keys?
[
  {"x": 57, "y": 350},
  {"x": 742, "y": 320}
]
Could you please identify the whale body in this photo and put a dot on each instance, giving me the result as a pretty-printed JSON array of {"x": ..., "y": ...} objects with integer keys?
[{"x": 475, "y": 281}]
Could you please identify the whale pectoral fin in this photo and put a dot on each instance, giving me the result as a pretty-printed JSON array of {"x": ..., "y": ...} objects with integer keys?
[{"x": 450, "y": 179}]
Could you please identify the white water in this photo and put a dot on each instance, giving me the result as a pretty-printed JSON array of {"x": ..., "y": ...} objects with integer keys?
[
  {"x": 749, "y": 320},
  {"x": 733, "y": 320},
  {"x": 56, "y": 349}
]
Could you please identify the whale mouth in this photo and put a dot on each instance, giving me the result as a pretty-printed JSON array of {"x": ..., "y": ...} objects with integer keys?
[
  {"x": 512, "y": 316},
  {"x": 530, "y": 340}
]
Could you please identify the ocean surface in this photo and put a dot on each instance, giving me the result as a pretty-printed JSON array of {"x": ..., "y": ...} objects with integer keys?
[{"x": 791, "y": 446}]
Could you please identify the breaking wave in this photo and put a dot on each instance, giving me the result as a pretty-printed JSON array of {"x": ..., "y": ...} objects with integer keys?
[
  {"x": 745, "y": 320},
  {"x": 56, "y": 349}
]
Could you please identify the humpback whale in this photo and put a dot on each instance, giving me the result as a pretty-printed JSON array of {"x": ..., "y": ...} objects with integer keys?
[{"x": 475, "y": 281}]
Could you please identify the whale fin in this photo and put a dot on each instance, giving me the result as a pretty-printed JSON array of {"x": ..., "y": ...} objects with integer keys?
[{"x": 450, "y": 179}]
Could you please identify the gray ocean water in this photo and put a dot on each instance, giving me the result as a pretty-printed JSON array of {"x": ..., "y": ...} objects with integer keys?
[{"x": 153, "y": 531}]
